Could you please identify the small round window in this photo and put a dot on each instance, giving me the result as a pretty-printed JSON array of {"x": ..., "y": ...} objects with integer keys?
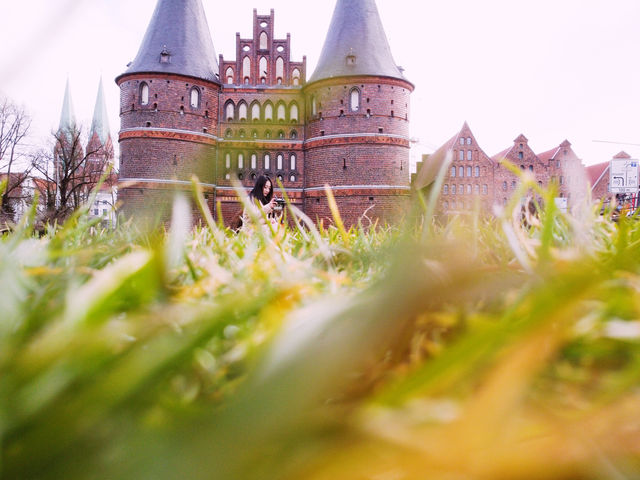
[
  {"x": 246, "y": 48},
  {"x": 263, "y": 24},
  {"x": 280, "y": 48}
]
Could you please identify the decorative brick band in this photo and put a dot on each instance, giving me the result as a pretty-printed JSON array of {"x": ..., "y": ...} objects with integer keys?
[
  {"x": 367, "y": 138},
  {"x": 361, "y": 190},
  {"x": 168, "y": 133},
  {"x": 338, "y": 81},
  {"x": 296, "y": 145},
  {"x": 160, "y": 184},
  {"x": 165, "y": 76}
]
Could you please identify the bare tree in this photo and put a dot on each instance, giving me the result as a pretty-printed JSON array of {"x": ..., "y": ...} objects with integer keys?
[
  {"x": 14, "y": 128},
  {"x": 69, "y": 172}
]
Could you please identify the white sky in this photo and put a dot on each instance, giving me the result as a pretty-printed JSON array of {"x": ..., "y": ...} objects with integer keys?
[{"x": 551, "y": 69}]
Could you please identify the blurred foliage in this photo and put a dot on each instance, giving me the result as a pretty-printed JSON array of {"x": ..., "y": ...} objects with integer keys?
[{"x": 465, "y": 347}]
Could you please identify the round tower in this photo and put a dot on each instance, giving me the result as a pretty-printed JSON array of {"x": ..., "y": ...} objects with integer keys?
[
  {"x": 357, "y": 138},
  {"x": 168, "y": 109}
]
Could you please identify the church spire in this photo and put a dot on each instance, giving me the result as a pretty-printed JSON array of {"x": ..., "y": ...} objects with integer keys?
[
  {"x": 100, "y": 122},
  {"x": 356, "y": 44},
  {"x": 178, "y": 40},
  {"x": 67, "y": 116}
]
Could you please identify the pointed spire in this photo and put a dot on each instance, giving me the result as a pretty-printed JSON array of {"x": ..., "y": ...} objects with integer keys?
[
  {"x": 178, "y": 40},
  {"x": 100, "y": 122},
  {"x": 356, "y": 44},
  {"x": 68, "y": 116}
]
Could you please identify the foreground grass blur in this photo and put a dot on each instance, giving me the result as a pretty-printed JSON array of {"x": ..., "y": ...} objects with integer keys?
[{"x": 468, "y": 349}]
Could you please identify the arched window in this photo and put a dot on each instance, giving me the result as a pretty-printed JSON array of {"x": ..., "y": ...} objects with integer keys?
[
  {"x": 229, "y": 75},
  {"x": 485, "y": 189},
  {"x": 446, "y": 206},
  {"x": 453, "y": 189},
  {"x": 469, "y": 188},
  {"x": 230, "y": 112},
  {"x": 281, "y": 134},
  {"x": 144, "y": 93},
  {"x": 242, "y": 133},
  {"x": 453, "y": 171},
  {"x": 531, "y": 168},
  {"x": 293, "y": 135},
  {"x": 268, "y": 112},
  {"x": 513, "y": 184},
  {"x": 295, "y": 75},
  {"x": 240, "y": 161},
  {"x": 254, "y": 134},
  {"x": 461, "y": 172},
  {"x": 281, "y": 112},
  {"x": 477, "y": 171},
  {"x": 461, "y": 155},
  {"x": 293, "y": 113},
  {"x": 468, "y": 171},
  {"x": 469, "y": 155},
  {"x": 267, "y": 162},
  {"x": 504, "y": 186},
  {"x": 263, "y": 67},
  {"x": 462, "y": 141},
  {"x": 354, "y": 99},
  {"x": 446, "y": 189},
  {"x": 314, "y": 106},
  {"x": 228, "y": 133},
  {"x": 292, "y": 178},
  {"x": 227, "y": 161},
  {"x": 468, "y": 140},
  {"x": 254, "y": 161},
  {"x": 195, "y": 97},
  {"x": 292, "y": 161},
  {"x": 246, "y": 67},
  {"x": 242, "y": 112},
  {"x": 255, "y": 112},
  {"x": 279, "y": 161},
  {"x": 264, "y": 41},
  {"x": 267, "y": 134},
  {"x": 476, "y": 189},
  {"x": 280, "y": 69}
]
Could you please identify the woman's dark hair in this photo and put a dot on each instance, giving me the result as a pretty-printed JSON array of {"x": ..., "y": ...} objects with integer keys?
[{"x": 257, "y": 190}]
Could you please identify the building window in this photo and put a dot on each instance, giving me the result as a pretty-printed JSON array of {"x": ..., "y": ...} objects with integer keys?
[
  {"x": 246, "y": 67},
  {"x": 242, "y": 112},
  {"x": 461, "y": 172},
  {"x": 228, "y": 133},
  {"x": 264, "y": 40},
  {"x": 268, "y": 112},
  {"x": 468, "y": 140},
  {"x": 469, "y": 189},
  {"x": 513, "y": 184},
  {"x": 294, "y": 135},
  {"x": 279, "y": 69},
  {"x": 281, "y": 113},
  {"x": 354, "y": 99},
  {"x": 453, "y": 171},
  {"x": 461, "y": 154},
  {"x": 504, "y": 186},
  {"x": 241, "y": 133},
  {"x": 461, "y": 141},
  {"x": 461, "y": 189},
  {"x": 255, "y": 112},
  {"x": 561, "y": 180},
  {"x": 531, "y": 168},
  {"x": 279, "y": 161},
  {"x": 292, "y": 161},
  {"x": 240, "y": 161},
  {"x": 293, "y": 113},
  {"x": 292, "y": 177},
  {"x": 469, "y": 155},
  {"x": 144, "y": 93},
  {"x": 195, "y": 97},
  {"x": 446, "y": 205},
  {"x": 476, "y": 189},
  {"x": 477, "y": 171},
  {"x": 446, "y": 189},
  {"x": 254, "y": 161},
  {"x": 520, "y": 155},
  {"x": 485, "y": 189},
  {"x": 263, "y": 67},
  {"x": 230, "y": 111},
  {"x": 267, "y": 134},
  {"x": 296, "y": 76},
  {"x": 281, "y": 135},
  {"x": 267, "y": 162},
  {"x": 229, "y": 75},
  {"x": 227, "y": 161},
  {"x": 453, "y": 189},
  {"x": 468, "y": 171}
]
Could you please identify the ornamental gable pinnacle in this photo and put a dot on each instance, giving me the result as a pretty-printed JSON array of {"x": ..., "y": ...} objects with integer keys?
[
  {"x": 178, "y": 40},
  {"x": 356, "y": 44}
]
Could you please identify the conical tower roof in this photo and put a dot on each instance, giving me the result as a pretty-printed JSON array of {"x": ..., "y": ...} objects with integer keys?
[
  {"x": 100, "y": 122},
  {"x": 178, "y": 40},
  {"x": 356, "y": 44},
  {"x": 67, "y": 116}
]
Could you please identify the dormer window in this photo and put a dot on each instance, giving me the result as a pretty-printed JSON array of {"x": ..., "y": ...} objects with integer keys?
[
  {"x": 351, "y": 58},
  {"x": 195, "y": 98},
  {"x": 165, "y": 55}
]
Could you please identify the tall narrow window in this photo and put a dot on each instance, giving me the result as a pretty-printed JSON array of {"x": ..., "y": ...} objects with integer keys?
[
  {"x": 295, "y": 76},
  {"x": 195, "y": 97},
  {"x": 453, "y": 189},
  {"x": 477, "y": 172},
  {"x": 268, "y": 112},
  {"x": 281, "y": 112},
  {"x": 144, "y": 93},
  {"x": 242, "y": 112},
  {"x": 264, "y": 41},
  {"x": 446, "y": 189},
  {"x": 293, "y": 161},
  {"x": 254, "y": 161},
  {"x": 240, "y": 161},
  {"x": 227, "y": 161},
  {"x": 468, "y": 140},
  {"x": 461, "y": 155},
  {"x": 246, "y": 67},
  {"x": 229, "y": 75},
  {"x": 355, "y": 99},
  {"x": 255, "y": 112},
  {"x": 280, "y": 69},
  {"x": 230, "y": 112},
  {"x": 468, "y": 171},
  {"x": 263, "y": 67},
  {"x": 461, "y": 172},
  {"x": 314, "y": 106},
  {"x": 267, "y": 162},
  {"x": 453, "y": 171},
  {"x": 279, "y": 161},
  {"x": 469, "y": 155},
  {"x": 293, "y": 113},
  {"x": 485, "y": 189}
]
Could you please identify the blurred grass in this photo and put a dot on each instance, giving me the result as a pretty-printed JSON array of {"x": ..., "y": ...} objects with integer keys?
[{"x": 469, "y": 347}]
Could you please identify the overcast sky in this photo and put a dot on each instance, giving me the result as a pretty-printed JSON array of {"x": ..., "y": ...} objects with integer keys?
[{"x": 550, "y": 69}]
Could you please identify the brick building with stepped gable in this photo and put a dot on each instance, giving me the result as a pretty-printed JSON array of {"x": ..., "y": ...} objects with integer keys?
[{"x": 184, "y": 112}]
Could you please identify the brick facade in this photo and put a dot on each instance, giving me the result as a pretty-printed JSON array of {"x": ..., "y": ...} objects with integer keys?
[{"x": 263, "y": 118}]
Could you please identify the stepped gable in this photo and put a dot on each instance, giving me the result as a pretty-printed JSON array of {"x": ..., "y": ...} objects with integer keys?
[
  {"x": 356, "y": 44},
  {"x": 178, "y": 40}
]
